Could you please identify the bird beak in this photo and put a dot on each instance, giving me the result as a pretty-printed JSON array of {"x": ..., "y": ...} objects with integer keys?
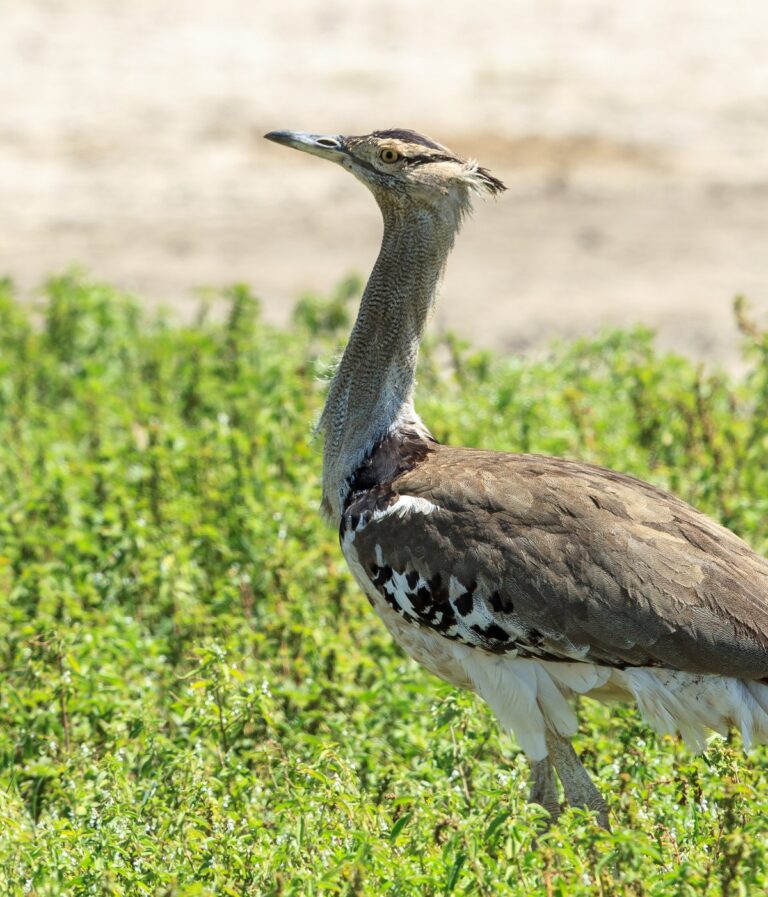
[{"x": 327, "y": 146}]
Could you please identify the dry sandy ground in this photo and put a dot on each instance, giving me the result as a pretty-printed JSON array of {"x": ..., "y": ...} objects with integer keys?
[{"x": 633, "y": 138}]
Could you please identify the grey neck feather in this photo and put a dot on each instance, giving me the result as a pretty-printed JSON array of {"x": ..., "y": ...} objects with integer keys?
[{"x": 371, "y": 394}]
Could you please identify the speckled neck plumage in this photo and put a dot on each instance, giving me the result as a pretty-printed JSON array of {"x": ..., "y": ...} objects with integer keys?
[{"x": 372, "y": 392}]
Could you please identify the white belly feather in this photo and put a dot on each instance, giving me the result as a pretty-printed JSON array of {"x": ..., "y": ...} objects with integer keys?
[{"x": 528, "y": 695}]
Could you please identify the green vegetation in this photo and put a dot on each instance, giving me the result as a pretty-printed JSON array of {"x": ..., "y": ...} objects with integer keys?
[{"x": 197, "y": 700}]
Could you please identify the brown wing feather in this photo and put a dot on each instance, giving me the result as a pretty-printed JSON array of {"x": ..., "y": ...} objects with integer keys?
[{"x": 575, "y": 560}]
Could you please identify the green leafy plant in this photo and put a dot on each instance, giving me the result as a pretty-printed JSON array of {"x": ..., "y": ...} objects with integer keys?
[{"x": 197, "y": 700}]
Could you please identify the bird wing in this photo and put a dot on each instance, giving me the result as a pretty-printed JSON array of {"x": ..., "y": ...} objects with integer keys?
[{"x": 556, "y": 559}]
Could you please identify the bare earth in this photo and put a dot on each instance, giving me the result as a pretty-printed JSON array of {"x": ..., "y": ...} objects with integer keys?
[{"x": 633, "y": 138}]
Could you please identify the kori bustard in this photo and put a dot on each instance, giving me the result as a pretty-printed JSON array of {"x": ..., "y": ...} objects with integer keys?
[{"x": 528, "y": 579}]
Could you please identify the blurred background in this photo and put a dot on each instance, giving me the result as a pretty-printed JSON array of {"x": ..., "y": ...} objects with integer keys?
[{"x": 633, "y": 139}]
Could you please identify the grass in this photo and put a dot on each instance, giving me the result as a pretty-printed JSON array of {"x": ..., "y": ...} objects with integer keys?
[{"x": 197, "y": 700}]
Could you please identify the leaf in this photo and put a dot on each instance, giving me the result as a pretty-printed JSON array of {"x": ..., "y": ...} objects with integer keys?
[
  {"x": 399, "y": 825},
  {"x": 453, "y": 875},
  {"x": 496, "y": 823}
]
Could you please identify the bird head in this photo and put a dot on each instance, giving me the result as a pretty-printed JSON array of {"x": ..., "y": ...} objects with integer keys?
[{"x": 400, "y": 167}]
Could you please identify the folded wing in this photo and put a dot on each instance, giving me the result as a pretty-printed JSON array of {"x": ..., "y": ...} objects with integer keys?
[{"x": 560, "y": 560}]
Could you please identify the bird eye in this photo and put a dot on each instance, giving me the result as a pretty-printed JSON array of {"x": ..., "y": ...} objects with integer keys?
[{"x": 389, "y": 155}]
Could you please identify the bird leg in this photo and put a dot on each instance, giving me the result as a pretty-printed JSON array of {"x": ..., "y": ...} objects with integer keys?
[
  {"x": 580, "y": 790},
  {"x": 543, "y": 787}
]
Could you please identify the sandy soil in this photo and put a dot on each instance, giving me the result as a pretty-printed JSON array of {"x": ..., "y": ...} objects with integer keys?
[{"x": 634, "y": 142}]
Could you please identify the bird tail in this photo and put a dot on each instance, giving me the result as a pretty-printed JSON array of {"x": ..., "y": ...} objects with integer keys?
[
  {"x": 696, "y": 704},
  {"x": 759, "y": 693}
]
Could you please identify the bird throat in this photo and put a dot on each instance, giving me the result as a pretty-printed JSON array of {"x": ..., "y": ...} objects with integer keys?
[{"x": 371, "y": 394}]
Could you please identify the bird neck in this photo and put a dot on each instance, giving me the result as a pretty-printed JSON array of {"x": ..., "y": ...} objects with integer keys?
[{"x": 371, "y": 395}]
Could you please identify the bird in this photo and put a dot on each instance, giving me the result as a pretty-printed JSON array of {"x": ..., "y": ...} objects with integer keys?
[{"x": 527, "y": 579}]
